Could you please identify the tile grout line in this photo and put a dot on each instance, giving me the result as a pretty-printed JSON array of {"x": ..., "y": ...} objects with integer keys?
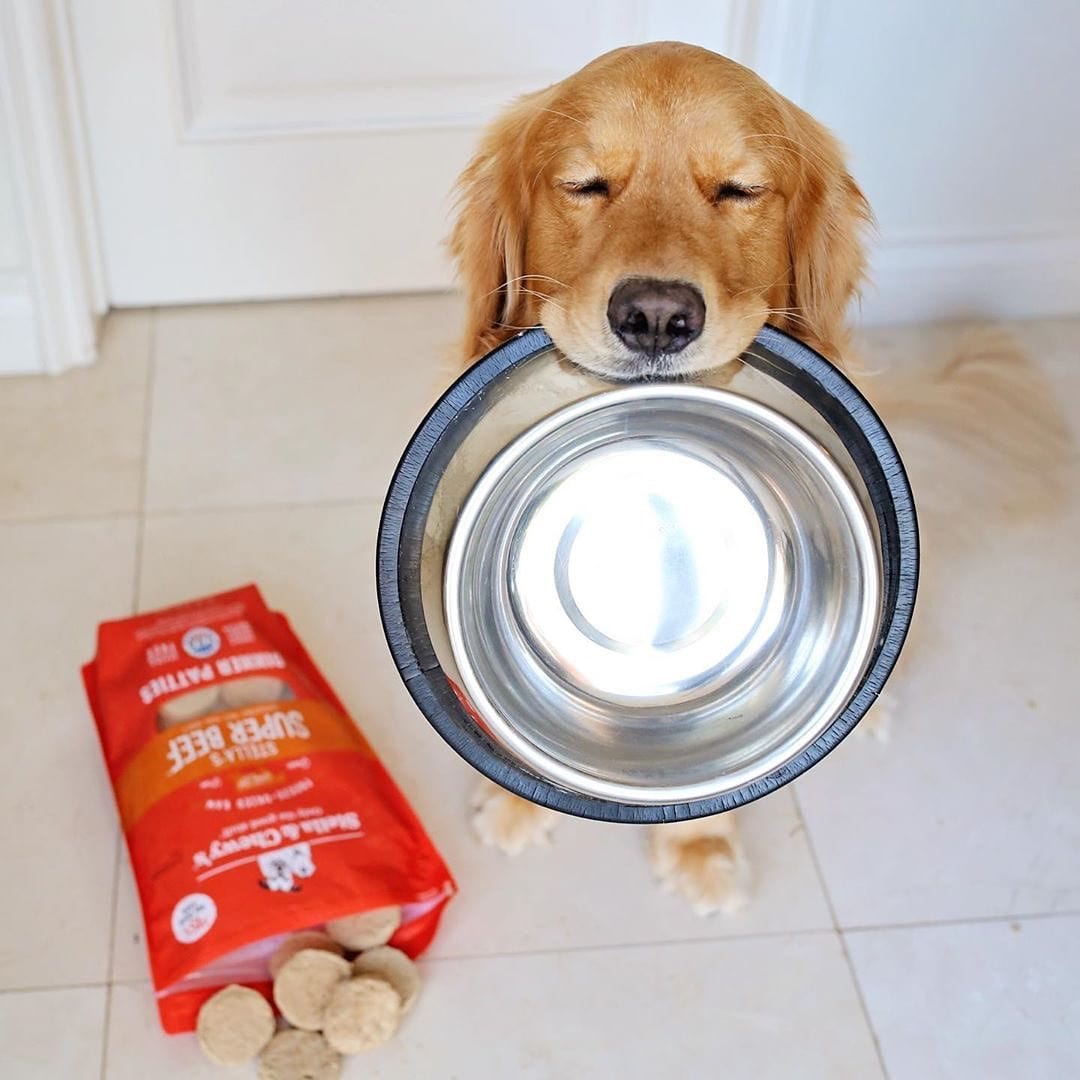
[
  {"x": 144, "y": 479},
  {"x": 111, "y": 937},
  {"x": 963, "y": 920},
  {"x": 839, "y": 931},
  {"x": 346, "y": 503},
  {"x": 67, "y": 519},
  {"x": 757, "y": 935},
  {"x": 351, "y": 502},
  {"x": 622, "y": 946},
  {"x": 51, "y": 988},
  {"x": 136, "y": 585}
]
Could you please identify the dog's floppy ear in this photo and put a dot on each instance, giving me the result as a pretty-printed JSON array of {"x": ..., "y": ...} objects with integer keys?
[
  {"x": 828, "y": 218},
  {"x": 488, "y": 238}
]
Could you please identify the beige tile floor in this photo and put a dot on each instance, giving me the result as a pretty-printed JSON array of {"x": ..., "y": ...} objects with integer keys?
[{"x": 916, "y": 907}]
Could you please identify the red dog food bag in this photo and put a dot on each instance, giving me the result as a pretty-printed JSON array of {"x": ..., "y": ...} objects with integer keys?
[{"x": 251, "y": 804}]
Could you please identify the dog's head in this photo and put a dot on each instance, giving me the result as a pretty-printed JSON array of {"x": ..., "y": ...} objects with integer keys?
[{"x": 653, "y": 211}]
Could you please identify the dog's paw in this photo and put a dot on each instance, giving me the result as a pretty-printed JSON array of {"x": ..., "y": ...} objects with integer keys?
[
  {"x": 509, "y": 822},
  {"x": 703, "y": 862}
]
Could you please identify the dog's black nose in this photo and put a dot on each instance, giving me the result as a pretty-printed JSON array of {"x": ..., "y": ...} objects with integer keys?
[{"x": 655, "y": 317}]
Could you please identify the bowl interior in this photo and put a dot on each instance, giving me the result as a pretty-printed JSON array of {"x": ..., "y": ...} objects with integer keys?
[{"x": 661, "y": 593}]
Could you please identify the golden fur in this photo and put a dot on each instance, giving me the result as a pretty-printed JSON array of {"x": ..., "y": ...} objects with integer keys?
[{"x": 671, "y": 162}]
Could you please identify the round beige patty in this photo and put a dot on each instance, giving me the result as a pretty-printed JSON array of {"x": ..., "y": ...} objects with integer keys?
[
  {"x": 299, "y": 1055},
  {"x": 367, "y": 929},
  {"x": 304, "y": 984},
  {"x": 362, "y": 1014},
  {"x": 395, "y": 967},
  {"x": 234, "y": 1025},
  {"x": 306, "y": 939}
]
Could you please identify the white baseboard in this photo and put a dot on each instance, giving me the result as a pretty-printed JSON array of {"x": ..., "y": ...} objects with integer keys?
[
  {"x": 20, "y": 352},
  {"x": 1004, "y": 277}
]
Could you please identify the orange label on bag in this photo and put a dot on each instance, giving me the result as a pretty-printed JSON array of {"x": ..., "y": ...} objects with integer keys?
[{"x": 245, "y": 744}]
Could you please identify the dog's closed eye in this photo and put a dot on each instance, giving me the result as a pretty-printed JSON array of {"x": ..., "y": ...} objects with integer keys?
[
  {"x": 593, "y": 187},
  {"x": 733, "y": 191}
]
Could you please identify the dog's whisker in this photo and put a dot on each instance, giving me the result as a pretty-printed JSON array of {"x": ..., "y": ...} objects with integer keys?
[
  {"x": 538, "y": 277},
  {"x": 538, "y": 293},
  {"x": 565, "y": 116},
  {"x": 547, "y": 161},
  {"x": 763, "y": 359},
  {"x": 804, "y": 154},
  {"x": 509, "y": 284},
  {"x": 808, "y": 157},
  {"x": 764, "y": 315},
  {"x": 544, "y": 298},
  {"x": 764, "y": 288},
  {"x": 789, "y": 313},
  {"x": 779, "y": 279},
  {"x": 799, "y": 321},
  {"x": 793, "y": 145},
  {"x": 514, "y": 326}
]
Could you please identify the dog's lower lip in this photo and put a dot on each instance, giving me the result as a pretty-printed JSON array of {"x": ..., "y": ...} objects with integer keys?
[{"x": 608, "y": 366}]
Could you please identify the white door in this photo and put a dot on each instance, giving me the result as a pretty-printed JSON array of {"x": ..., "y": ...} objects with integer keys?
[{"x": 266, "y": 148}]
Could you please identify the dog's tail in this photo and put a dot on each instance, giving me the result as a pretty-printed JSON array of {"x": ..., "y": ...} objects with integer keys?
[{"x": 980, "y": 434}]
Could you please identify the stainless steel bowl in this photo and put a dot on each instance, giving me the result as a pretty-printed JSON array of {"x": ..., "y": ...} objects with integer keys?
[
  {"x": 661, "y": 593},
  {"x": 653, "y": 601}
]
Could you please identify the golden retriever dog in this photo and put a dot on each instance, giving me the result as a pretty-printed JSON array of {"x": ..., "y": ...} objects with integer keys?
[{"x": 653, "y": 211}]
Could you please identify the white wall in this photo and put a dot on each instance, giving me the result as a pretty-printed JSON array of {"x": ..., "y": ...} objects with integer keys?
[
  {"x": 963, "y": 119},
  {"x": 18, "y": 338}
]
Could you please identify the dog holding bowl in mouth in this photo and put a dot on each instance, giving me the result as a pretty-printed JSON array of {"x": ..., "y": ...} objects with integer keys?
[{"x": 652, "y": 561}]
